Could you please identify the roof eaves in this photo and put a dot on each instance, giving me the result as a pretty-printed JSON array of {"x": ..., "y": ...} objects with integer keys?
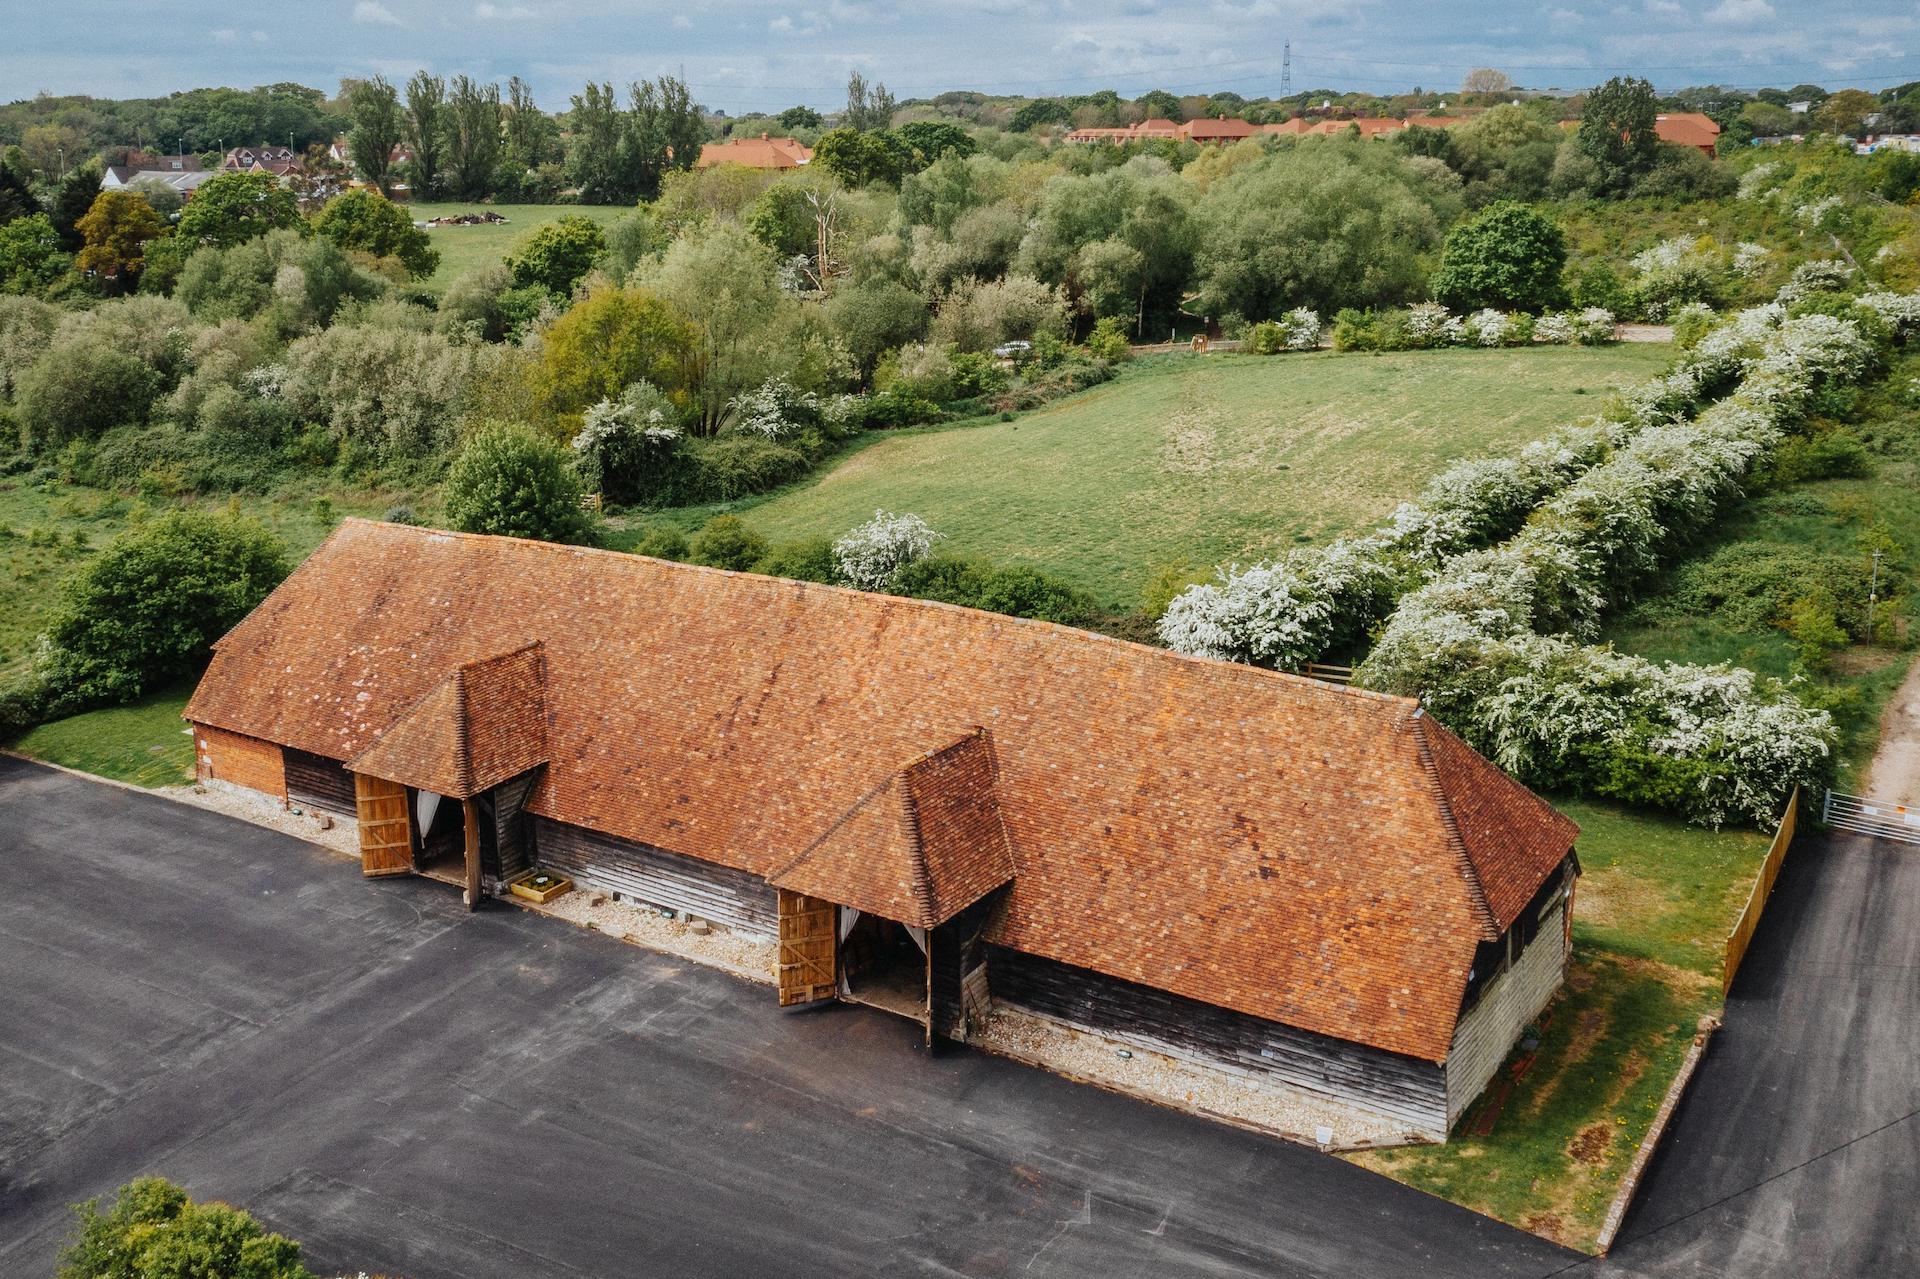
[
  {"x": 462, "y": 746},
  {"x": 922, "y": 873},
  {"x": 1490, "y": 928}
]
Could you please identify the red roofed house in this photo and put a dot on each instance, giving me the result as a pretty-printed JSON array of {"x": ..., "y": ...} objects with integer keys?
[
  {"x": 933, "y": 809},
  {"x": 762, "y": 152},
  {"x": 1688, "y": 129}
]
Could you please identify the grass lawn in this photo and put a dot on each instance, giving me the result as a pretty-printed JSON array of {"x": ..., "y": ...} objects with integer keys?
[
  {"x": 464, "y": 248},
  {"x": 1651, "y": 915},
  {"x": 1205, "y": 460},
  {"x": 145, "y": 743}
]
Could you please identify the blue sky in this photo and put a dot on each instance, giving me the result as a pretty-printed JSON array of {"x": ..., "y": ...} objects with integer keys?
[{"x": 759, "y": 55}]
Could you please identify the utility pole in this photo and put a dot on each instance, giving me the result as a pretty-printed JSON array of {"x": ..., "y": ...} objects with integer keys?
[
  {"x": 1873, "y": 591},
  {"x": 1286, "y": 67}
]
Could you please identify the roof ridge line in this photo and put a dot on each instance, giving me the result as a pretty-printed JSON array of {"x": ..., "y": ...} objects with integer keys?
[
  {"x": 1293, "y": 680},
  {"x": 1476, "y": 891}
]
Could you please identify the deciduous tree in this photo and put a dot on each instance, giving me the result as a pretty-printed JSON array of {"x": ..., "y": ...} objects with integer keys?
[{"x": 378, "y": 127}]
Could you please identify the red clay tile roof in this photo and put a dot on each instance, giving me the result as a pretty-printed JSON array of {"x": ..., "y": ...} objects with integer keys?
[
  {"x": 1289, "y": 849},
  {"x": 1687, "y": 129},
  {"x": 482, "y": 724},
  {"x": 756, "y": 153},
  {"x": 925, "y": 845}
]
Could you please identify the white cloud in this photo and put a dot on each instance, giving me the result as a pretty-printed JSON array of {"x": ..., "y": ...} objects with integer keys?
[
  {"x": 371, "y": 13},
  {"x": 681, "y": 22},
  {"x": 1740, "y": 13},
  {"x": 488, "y": 12},
  {"x": 1664, "y": 6},
  {"x": 225, "y": 35}
]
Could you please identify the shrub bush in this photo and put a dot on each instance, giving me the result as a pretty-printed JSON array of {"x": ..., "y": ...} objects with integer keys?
[
  {"x": 154, "y": 1231},
  {"x": 730, "y": 467},
  {"x": 807, "y": 560},
  {"x": 662, "y": 542},
  {"x": 147, "y": 609},
  {"x": 77, "y": 391},
  {"x": 871, "y": 554},
  {"x": 725, "y": 541},
  {"x": 512, "y": 481},
  {"x": 1108, "y": 341}
]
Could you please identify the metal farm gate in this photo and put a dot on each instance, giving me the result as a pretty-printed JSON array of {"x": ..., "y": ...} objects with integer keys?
[{"x": 1865, "y": 816}]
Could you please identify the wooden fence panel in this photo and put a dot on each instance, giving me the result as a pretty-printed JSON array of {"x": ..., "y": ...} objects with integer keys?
[{"x": 1743, "y": 929}]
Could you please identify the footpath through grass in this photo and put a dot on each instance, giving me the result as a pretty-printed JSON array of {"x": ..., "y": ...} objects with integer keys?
[
  {"x": 467, "y": 248},
  {"x": 1206, "y": 459}
]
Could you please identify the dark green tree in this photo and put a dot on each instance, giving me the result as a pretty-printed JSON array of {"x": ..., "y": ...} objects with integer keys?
[
  {"x": 515, "y": 482},
  {"x": 426, "y": 108},
  {"x": 471, "y": 131},
  {"x": 379, "y": 125},
  {"x": 858, "y": 159},
  {"x": 368, "y": 221},
  {"x": 869, "y": 106},
  {"x": 72, "y": 198},
  {"x": 593, "y": 157},
  {"x": 30, "y": 255},
  {"x": 1159, "y": 104},
  {"x": 799, "y": 118},
  {"x": 931, "y": 140},
  {"x": 558, "y": 255},
  {"x": 148, "y": 608},
  {"x": 232, "y": 208},
  {"x": 1038, "y": 113},
  {"x": 1617, "y": 131},
  {"x": 16, "y": 198},
  {"x": 1507, "y": 256}
]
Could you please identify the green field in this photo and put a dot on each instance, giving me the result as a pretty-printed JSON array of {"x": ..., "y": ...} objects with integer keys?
[
  {"x": 1206, "y": 460},
  {"x": 49, "y": 530},
  {"x": 465, "y": 248}
]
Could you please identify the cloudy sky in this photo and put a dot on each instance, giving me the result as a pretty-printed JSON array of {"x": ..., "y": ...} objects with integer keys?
[{"x": 753, "y": 55}]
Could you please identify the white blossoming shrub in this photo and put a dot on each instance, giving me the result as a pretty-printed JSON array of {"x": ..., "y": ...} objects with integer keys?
[
  {"x": 774, "y": 409},
  {"x": 1758, "y": 183},
  {"x": 1556, "y": 328},
  {"x": 1816, "y": 212},
  {"x": 625, "y": 446},
  {"x": 1299, "y": 329},
  {"x": 1820, "y": 275},
  {"x": 1595, "y": 326},
  {"x": 1749, "y": 258},
  {"x": 1488, "y": 327},
  {"x": 870, "y": 555},
  {"x": 1901, "y": 311},
  {"x": 1666, "y": 255},
  {"x": 1429, "y": 324}
]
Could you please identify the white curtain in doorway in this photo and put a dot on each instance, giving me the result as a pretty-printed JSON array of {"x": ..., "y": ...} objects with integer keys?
[
  {"x": 425, "y": 804},
  {"x": 848, "y": 917}
]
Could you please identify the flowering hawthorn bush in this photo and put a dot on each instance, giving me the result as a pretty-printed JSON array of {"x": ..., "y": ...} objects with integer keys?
[{"x": 870, "y": 555}]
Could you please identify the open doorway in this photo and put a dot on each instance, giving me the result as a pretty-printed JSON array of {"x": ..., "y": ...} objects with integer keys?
[
  {"x": 884, "y": 966},
  {"x": 443, "y": 837}
]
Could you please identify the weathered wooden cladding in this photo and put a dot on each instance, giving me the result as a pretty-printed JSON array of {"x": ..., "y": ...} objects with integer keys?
[
  {"x": 513, "y": 853},
  {"x": 957, "y": 959},
  {"x": 1512, "y": 999},
  {"x": 736, "y": 899},
  {"x": 314, "y": 781},
  {"x": 1405, "y": 1089}
]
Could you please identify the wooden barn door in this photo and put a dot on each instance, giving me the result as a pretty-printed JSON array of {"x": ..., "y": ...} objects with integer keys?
[
  {"x": 386, "y": 839},
  {"x": 807, "y": 938}
]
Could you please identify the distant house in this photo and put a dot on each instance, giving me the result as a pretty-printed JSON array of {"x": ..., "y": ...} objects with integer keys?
[
  {"x": 119, "y": 177},
  {"x": 1688, "y": 129},
  {"x": 1210, "y": 131},
  {"x": 279, "y": 161},
  {"x": 931, "y": 809},
  {"x": 763, "y": 152}
]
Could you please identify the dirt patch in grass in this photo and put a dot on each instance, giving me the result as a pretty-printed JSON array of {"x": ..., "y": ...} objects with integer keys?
[
  {"x": 1611, "y": 1044},
  {"x": 1590, "y": 1147}
]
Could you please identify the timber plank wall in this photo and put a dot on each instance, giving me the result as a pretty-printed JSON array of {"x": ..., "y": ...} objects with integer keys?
[
  {"x": 1406, "y": 1089},
  {"x": 740, "y": 901},
  {"x": 314, "y": 781}
]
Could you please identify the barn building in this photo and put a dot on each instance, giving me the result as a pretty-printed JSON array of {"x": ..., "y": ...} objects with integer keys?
[{"x": 933, "y": 809}]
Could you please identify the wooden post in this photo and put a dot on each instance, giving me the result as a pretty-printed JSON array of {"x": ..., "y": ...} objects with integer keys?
[{"x": 472, "y": 894}]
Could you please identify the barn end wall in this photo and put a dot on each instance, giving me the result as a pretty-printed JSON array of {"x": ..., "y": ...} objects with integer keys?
[
  {"x": 1489, "y": 1030},
  {"x": 221, "y": 756},
  {"x": 1403, "y": 1089}
]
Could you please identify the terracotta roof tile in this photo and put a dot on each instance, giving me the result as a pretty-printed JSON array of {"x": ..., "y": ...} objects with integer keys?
[
  {"x": 1274, "y": 845},
  {"x": 482, "y": 724},
  {"x": 923, "y": 846}
]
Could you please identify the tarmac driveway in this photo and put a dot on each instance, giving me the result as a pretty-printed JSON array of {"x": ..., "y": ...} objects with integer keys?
[
  {"x": 414, "y": 1090},
  {"x": 1797, "y": 1150}
]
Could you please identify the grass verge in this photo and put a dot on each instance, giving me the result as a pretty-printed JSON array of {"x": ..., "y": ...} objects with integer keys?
[
  {"x": 145, "y": 743},
  {"x": 468, "y": 248}
]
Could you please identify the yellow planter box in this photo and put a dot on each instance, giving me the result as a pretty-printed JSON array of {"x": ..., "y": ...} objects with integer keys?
[{"x": 539, "y": 886}]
